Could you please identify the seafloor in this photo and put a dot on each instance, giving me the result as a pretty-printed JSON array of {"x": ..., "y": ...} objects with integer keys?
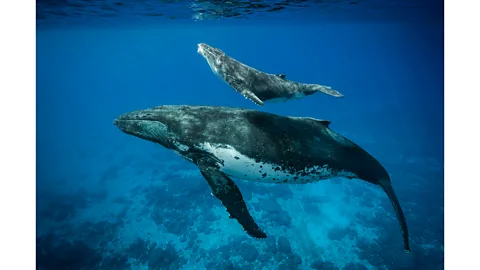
[{"x": 152, "y": 210}]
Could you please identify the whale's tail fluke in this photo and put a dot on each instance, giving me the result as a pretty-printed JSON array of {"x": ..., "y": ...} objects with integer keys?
[
  {"x": 387, "y": 187},
  {"x": 324, "y": 89}
]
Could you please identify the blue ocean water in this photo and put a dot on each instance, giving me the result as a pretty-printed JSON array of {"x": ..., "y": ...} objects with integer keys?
[{"x": 107, "y": 200}]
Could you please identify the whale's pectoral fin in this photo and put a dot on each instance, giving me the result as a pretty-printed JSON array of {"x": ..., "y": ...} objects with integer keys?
[
  {"x": 236, "y": 84},
  {"x": 227, "y": 191},
  {"x": 282, "y": 76},
  {"x": 252, "y": 97}
]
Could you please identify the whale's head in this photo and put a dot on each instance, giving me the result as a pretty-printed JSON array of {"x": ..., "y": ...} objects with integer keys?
[
  {"x": 159, "y": 125},
  {"x": 215, "y": 57},
  {"x": 209, "y": 52}
]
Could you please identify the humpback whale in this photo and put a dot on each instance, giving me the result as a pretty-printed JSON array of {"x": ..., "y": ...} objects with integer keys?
[
  {"x": 226, "y": 143},
  {"x": 256, "y": 85}
]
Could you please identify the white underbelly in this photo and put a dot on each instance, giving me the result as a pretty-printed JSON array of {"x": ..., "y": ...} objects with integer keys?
[
  {"x": 240, "y": 166},
  {"x": 297, "y": 95},
  {"x": 277, "y": 100}
]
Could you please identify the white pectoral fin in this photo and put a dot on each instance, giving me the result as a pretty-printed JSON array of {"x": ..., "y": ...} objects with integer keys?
[
  {"x": 252, "y": 97},
  {"x": 237, "y": 86}
]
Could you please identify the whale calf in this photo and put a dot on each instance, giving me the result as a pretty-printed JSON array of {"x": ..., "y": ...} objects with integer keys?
[
  {"x": 256, "y": 85},
  {"x": 227, "y": 143}
]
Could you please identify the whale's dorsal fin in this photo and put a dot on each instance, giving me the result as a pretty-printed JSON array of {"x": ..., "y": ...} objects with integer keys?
[
  {"x": 320, "y": 121},
  {"x": 315, "y": 120},
  {"x": 282, "y": 76},
  {"x": 325, "y": 122}
]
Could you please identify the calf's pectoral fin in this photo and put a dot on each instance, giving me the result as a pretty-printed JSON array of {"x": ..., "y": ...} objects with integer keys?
[
  {"x": 229, "y": 194},
  {"x": 238, "y": 86},
  {"x": 250, "y": 95}
]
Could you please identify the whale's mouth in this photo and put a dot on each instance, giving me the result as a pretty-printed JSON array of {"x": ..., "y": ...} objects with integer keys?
[{"x": 150, "y": 130}]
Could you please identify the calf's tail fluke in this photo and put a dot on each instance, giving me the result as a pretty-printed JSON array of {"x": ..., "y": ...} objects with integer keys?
[
  {"x": 387, "y": 187},
  {"x": 324, "y": 89}
]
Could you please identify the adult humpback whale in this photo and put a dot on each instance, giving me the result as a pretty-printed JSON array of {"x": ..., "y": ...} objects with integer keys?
[
  {"x": 256, "y": 85},
  {"x": 257, "y": 146}
]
